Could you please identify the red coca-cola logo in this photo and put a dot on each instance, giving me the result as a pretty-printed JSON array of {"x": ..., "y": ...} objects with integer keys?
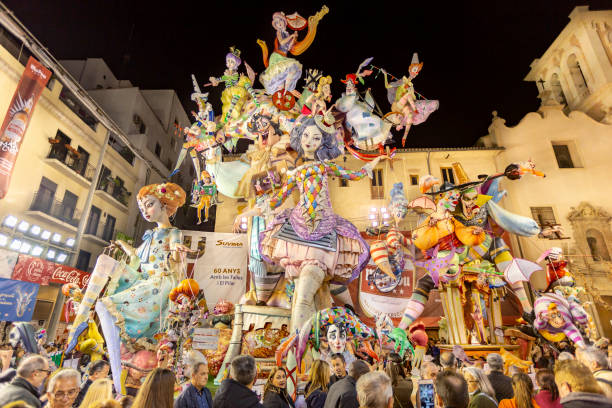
[{"x": 35, "y": 271}]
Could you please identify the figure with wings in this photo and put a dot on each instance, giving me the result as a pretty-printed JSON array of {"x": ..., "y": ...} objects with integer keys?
[{"x": 282, "y": 72}]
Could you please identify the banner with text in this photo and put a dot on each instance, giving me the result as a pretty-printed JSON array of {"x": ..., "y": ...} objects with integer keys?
[
  {"x": 17, "y": 300},
  {"x": 33, "y": 81},
  {"x": 220, "y": 265},
  {"x": 32, "y": 269}
]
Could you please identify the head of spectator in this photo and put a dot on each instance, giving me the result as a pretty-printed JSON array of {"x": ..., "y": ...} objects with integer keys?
[
  {"x": 199, "y": 375},
  {"x": 100, "y": 390},
  {"x": 545, "y": 379},
  {"x": 127, "y": 401},
  {"x": 565, "y": 355},
  {"x": 34, "y": 369},
  {"x": 477, "y": 381},
  {"x": 109, "y": 403},
  {"x": 495, "y": 362},
  {"x": 63, "y": 388},
  {"x": 357, "y": 369},
  {"x": 451, "y": 390},
  {"x": 243, "y": 370},
  {"x": 514, "y": 370},
  {"x": 277, "y": 382},
  {"x": 448, "y": 361},
  {"x": 429, "y": 370},
  {"x": 592, "y": 357},
  {"x": 319, "y": 377},
  {"x": 394, "y": 368},
  {"x": 523, "y": 390},
  {"x": 374, "y": 390},
  {"x": 99, "y": 369},
  {"x": 573, "y": 376},
  {"x": 338, "y": 365},
  {"x": 157, "y": 391}
]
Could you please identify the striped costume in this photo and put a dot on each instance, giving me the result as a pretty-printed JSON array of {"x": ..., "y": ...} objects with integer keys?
[{"x": 572, "y": 313}]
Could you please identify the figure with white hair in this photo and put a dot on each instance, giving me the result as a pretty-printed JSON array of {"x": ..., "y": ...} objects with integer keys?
[
  {"x": 374, "y": 390},
  {"x": 196, "y": 395},
  {"x": 31, "y": 374},
  {"x": 597, "y": 361},
  {"x": 63, "y": 388},
  {"x": 502, "y": 384},
  {"x": 482, "y": 394}
]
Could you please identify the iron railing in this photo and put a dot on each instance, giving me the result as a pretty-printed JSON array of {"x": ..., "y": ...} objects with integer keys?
[
  {"x": 117, "y": 191},
  {"x": 78, "y": 165},
  {"x": 46, "y": 203}
]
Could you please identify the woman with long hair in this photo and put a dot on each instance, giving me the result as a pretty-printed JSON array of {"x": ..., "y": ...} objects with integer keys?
[
  {"x": 318, "y": 385},
  {"x": 482, "y": 394},
  {"x": 99, "y": 390},
  {"x": 110, "y": 403},
  {"x": 523, "y": 393},
  {"x": 275, "y": 390},
  {"x": 157, "y": 391},
  {"x": 548, "y": 397},
  {"x": 402, "y": 388}
]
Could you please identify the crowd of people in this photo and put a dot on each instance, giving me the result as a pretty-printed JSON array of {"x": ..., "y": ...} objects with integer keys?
[{"x": 579, "y": 380}]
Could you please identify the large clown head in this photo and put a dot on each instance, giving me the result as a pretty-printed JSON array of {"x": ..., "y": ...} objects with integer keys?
[
  {"x": 336, "y": 338},
  {"x": 468, "y": 202}
]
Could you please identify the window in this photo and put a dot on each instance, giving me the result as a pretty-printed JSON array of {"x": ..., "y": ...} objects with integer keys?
[
  {"x": 59, "y": 150},
  {"x": 157, "y": 149},
  {"x": 377, "y": 191},
  {"x": 81, "y": 165},
  {"x": 92, "y": 222},
  {"x": 447, "y": 174},
  {"x": 563, "y": 156},
  {"x": 109, "y": 228},
  {"x": 343, "y": 182},
  {"x": 68, "y": 206},
  {"x": 597, "y": 245},
  {"x": 544, "y": 216},
  {"x": 414, "y": 180},
  {"x": 43, "y": 200},
  {"x": 83, "y": 260}
]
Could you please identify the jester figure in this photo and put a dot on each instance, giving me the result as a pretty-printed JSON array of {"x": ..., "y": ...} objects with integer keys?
[
  {"x": 558, "y": 318},
  {"x": 467, "y": 226},
  {"x": 204, "y": 195}
]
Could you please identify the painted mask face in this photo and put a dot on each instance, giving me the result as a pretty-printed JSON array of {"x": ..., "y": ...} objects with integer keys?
[
  {"x": 555, "y": 319},
  {"x": 414, "y": 70},
  {"x": 468, "y": 202},
  {"x": 350, "y": 87},
  {"x": 230, "y": 63},
  {"x": 311, "y": 141},
  {"x": 151, "y": 208},
  {"x": 336, "y": 338}
]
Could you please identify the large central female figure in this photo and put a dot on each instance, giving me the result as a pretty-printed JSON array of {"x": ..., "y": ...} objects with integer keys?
[{"x": 312, "y": 243}]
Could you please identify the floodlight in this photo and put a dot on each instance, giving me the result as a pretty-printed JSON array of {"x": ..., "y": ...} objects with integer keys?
[
  {"x": 61, "y": 257},
  {"x": 70, "y": 242},
  {"x": 10, "y": 221},
  {"x": 25, "y": 247},
  {"x": 3, "y": 240},
  {"x": 35, "y": 230},
  {"x": 56, "y": 237},
  {"x": 37, "y": 250},
  {"x": 45, "y": 235},
  {"x": 50, "y": 254},
  {"x": 15, "y": 244},
  {"x": 23, "y": 226}
]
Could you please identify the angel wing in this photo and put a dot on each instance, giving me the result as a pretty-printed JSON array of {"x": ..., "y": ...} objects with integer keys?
[{"x": 392, "y": 90}]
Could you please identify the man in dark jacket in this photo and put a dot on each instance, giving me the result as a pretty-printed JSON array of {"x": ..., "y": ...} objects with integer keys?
[
  {"x": 343, "y": 394},
  {"x": 31, "y": 373},
  {"x": 236, "y": 391},
  {"x": 196, "y": 395},
  {"x": 502, "y": 384},
  {"x": 338, "y": 366},
  {"x": 578, "y": 387},
  {"x": 97, "y": 369}
]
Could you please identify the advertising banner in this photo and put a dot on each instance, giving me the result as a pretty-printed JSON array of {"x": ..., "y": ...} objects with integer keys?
[
  {"x": 17, "y": 300},
  {"x": 220, "y": 265},
  {"x": 30, "y": 87},
  {"x": 8, "y": 260},
  {"x": 36, "y": 270}
]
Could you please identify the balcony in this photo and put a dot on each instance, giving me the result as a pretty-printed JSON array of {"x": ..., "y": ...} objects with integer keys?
[
  {"x": 115, "y": 193},
  {"x": 101, "y": 234},
  {"x": 46, "y": 207},
  {"x": 76, "y": 168}
]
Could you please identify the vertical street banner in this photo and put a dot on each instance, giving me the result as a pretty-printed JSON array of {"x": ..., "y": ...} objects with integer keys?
[
  {"x": 17, "y": 300},
  {"x": 220, "y": 264},
  {"x": 30, "y": 87}
]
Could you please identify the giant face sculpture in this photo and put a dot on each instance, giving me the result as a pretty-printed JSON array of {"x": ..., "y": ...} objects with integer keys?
[
  {"x": 468, "y": 203},
  {"x": 336, "y": 338}
]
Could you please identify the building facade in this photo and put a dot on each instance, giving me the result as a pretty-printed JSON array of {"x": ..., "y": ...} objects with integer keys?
[{"x": 569, "y": 138}]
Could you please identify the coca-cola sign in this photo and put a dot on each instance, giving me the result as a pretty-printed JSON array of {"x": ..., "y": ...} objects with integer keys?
[{"x": 32, "y": 269}]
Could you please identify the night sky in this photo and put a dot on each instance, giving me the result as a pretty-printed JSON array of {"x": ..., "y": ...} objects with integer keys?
[{"x": 475, "y": 54}]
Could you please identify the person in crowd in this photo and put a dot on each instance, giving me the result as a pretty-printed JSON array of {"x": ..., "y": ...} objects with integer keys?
[
  {"x": 17, "y": 404},
  {"x": 31, "y": 373},
  {"x": 157, "y": 391},
  {"x": 548, "y": 396},
  {"x": 343, "y": 393},
  {"x": 338, "y": 365},
  {"x": 577, "y": 386},
  {"x": 565, "y": 356},
  {"x": 374, "y": 390},
  {"x": 429, "y": 370},
  {"x": 63, "y": 388},
  {"x": 127, "y": 401},
  {"x": 196, "y": 395},
  {"x": 97, "y": 370},
  {"x": 482, "y": 394},
  {"x": 448, "y": 361},
  {"x": 451, "y": 390},
  {"x": 236, "y": 390},
  {"x": 433, "y": 350},
  {"x": 597, "y": 361},
  {"x": 318, "y": 384},
  {"x": 502, "y": 384},
  {"x": 110, "y": 403},
  {"x": 100, "y": 390},
  {"x": 275, "y": 390},
  {"x": 7, "y": 372},
  {"x": 402, "y": 388},
  {"x": 522, "y": 387}
]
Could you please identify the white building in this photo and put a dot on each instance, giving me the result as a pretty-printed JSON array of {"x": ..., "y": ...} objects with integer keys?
[{"x": 570, "y": 139}]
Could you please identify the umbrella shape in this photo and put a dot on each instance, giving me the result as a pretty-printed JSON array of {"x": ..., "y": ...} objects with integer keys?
[
  {"x": 520, "y": 270},
  {"x": 422, "y": 205}
]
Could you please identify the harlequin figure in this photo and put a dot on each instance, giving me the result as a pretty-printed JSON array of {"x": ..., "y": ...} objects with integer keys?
[
  {"x": 556, "y": 269},
  {"x": 205, "y": 194},
  {"x": 557, "y": 318}
]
